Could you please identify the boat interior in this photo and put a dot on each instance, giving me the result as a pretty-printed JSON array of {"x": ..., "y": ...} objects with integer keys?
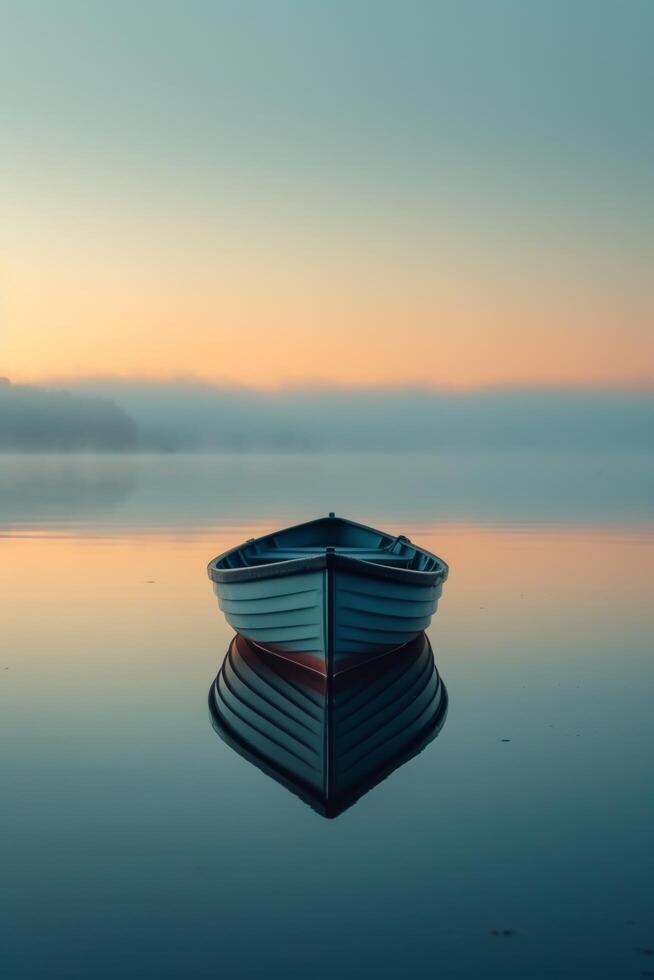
[{"x": 345, "y": 537}]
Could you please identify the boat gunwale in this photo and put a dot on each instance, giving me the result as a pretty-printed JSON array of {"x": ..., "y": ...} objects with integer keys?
[{"x": 325, "y": 560}]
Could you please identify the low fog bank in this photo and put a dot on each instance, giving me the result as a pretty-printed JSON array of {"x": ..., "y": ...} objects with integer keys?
[
  {"x": 111, "y": 415},
  {"x": 35, "y": 419},
  {"x": 186, "y": 416}
]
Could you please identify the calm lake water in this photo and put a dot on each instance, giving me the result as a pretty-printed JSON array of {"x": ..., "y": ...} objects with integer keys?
[{"x": 135, "y": 843}]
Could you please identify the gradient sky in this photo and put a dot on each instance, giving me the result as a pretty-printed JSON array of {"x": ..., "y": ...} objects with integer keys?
[{"x": 450, "y": 193}]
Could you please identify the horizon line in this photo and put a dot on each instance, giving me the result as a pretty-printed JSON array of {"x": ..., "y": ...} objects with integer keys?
[{"x": 643, "y": 384}]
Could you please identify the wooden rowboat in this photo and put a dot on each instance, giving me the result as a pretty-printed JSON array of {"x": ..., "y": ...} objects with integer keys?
[
  {"x": 329, "y": 741},
  {"x": 329, "y": 594}
]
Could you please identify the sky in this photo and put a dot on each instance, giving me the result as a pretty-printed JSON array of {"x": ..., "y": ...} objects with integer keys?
[{"x": 448, "y": 194}]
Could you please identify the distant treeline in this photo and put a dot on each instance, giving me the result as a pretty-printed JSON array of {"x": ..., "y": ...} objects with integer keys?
[
  {"x": 115, "y": 415},
  {"x": 40, "y": 420}
]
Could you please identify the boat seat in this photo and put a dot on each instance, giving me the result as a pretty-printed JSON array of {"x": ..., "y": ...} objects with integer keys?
[{"x": 380, "y": 556}]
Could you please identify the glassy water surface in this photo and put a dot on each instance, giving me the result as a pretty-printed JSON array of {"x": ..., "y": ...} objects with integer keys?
[{"x": 137, "y": 843}]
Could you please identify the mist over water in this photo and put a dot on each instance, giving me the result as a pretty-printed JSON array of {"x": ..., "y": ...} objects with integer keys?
[
  {"x": 190, "y": 491},
  {"x": 110, "y": 414}
]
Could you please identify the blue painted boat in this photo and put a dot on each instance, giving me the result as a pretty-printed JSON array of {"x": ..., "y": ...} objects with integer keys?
[
  {"x": 328, "y": 594},
  {"x": 328, "y": 740}
]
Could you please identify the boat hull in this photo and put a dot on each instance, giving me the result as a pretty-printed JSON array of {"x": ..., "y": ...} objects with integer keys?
[{"x": 330, "y": 618}]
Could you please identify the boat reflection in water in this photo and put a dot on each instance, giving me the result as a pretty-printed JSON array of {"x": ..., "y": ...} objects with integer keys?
[{"x": 329, "y": 740}]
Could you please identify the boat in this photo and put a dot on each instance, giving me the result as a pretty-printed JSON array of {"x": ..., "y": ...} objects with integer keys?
[
  {"x": 328, "y": 594},
  {"x": 328, "y": 740}
]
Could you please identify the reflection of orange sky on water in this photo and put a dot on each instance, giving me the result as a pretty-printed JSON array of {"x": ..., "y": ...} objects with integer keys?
[{"x": 71, "y": 596}]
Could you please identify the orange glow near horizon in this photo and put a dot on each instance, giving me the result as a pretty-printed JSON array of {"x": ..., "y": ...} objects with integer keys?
[
  {"x": 290, "y": 333},
  {"x": 271, "y": 306}
]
